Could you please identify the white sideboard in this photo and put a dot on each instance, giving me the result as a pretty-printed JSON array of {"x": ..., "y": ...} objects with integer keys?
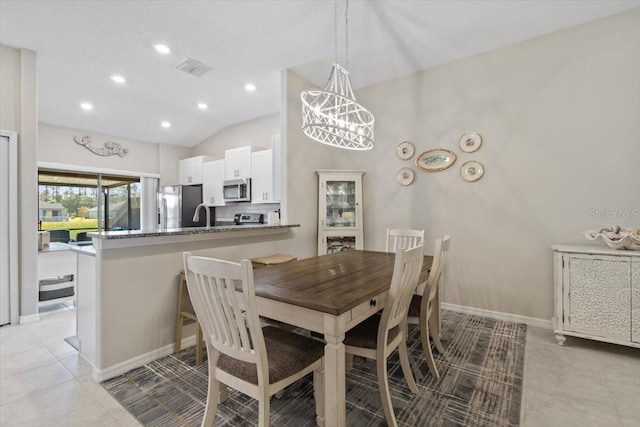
[{"x": 597, "y": 294}]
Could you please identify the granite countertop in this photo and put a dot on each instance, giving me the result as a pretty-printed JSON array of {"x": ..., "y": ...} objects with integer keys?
[{"x": 132, "y": 234}]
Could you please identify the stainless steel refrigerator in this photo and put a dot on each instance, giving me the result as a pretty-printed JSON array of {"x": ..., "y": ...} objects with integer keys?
[{"x": 177, "y": 204}]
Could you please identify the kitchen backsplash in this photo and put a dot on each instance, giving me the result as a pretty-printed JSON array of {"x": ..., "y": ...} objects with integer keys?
[{"x": 226, "y": 213}]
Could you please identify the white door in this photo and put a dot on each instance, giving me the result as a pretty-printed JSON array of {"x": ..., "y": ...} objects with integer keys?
[{"x": 4, "y": 231}]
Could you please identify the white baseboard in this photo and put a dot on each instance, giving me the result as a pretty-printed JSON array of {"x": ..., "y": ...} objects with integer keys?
[
  {"x": 32, "y": 318},
  {"x": 99, "y": 375},
  {"x": 498, "y": 315}
]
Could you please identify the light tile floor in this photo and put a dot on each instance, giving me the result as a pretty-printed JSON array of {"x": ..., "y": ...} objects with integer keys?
[
  {"x": 583, "y": 383},
  {"x": 44, "y": 382}
]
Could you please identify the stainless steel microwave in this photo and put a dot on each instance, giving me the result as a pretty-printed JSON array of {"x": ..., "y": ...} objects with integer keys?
[{"x": 237, "y": 190}]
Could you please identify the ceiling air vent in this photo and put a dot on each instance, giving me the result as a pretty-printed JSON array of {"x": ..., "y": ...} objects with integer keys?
[{"x": 193, "y": 67}]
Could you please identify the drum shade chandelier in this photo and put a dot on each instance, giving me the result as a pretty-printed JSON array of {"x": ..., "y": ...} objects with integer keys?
[{"x": 332, "y": 116}]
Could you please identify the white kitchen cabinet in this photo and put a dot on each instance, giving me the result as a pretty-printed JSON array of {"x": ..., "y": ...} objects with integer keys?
[
  {"x": 190, "y": 170},
  {"x": 238, "y": 162},
  {"x": 597, "y": 294},
  {"x": 276, "y": 148},
  {"x": 340, "y": 226},
  {"x": 212, "y": 180},
  {"x": 56, "y": 274},
  {"x": 262, "y": 177}
]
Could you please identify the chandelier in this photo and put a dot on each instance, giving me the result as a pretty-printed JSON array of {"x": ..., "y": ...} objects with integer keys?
[{"x": 332, "y": 116}]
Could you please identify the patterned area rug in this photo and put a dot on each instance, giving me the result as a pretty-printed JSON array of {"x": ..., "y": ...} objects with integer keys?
[{"x": 480, "y": 385}]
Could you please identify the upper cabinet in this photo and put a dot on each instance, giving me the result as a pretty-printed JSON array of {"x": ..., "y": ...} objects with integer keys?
[
  {"x": 190, "y": 170},
  {"x": 238, "y": 162},
  {"x": 266, "y": 174},
  {"x": 212, "y": 180}
]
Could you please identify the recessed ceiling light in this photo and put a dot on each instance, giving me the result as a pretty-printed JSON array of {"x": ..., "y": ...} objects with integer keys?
[
  {"x": 162, "y": 48},
  {"x": 118, "y": 79},
  {"x": 165, "y": 124},
  {"x": 202, "y": 106},
  {"x": 250, "y": 87},
  {"x": 86, "y": 106}
]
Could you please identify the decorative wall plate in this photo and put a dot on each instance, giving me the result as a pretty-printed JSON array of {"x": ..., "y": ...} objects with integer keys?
[
  {"x": 436, "y": 160},
  {"x": 471, "y": 171},
  {"x": 405, "y": 150},
  {"x": 470, "y": 142},
  {"x": 405, "y": 176}
]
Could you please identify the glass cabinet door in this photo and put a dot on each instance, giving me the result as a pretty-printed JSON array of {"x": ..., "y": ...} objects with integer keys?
[
  {"x": 339, "y": 211},
  {"x": 341, "y": 204}
]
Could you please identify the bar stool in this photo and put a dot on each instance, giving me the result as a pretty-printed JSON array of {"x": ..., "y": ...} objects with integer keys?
[
  {"x": 183, "y": 316},
  {"x": 265, "y": 261}
]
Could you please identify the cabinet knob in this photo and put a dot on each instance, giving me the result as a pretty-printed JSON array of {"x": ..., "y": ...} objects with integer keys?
[{"x": 373, "y": 302}]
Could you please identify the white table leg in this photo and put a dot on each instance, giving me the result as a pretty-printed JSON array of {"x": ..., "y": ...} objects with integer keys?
[{"x": 334, "y": 373}]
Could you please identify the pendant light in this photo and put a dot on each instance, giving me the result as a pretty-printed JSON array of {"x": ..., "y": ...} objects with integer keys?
[{"x": 332, "y": 116}]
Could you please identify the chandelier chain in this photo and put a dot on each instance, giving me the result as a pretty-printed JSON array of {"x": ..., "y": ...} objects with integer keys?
[
  {"x": 346, "y": 32},
  {"x": 335, "y": 31}
]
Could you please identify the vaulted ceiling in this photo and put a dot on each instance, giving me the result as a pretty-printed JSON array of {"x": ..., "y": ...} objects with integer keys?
[{"x": 81, "y": 44}]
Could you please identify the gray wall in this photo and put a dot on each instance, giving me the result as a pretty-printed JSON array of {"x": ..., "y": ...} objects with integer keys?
[
  {"x": 168, "y": 156},
  {"x": 560, "y": 119},
  {"x": 19, "y": 113},
  {"x": 56, "y": 145},
  {"x": 256, "y": 132}
]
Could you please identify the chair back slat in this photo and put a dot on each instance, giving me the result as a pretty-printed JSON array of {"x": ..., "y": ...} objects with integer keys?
[
  {"x": 406, "y": 275},
  {"x": 229, "y": 321},
  {"x": 440, "y": 255},
  {"x": 403, "y": 239}
]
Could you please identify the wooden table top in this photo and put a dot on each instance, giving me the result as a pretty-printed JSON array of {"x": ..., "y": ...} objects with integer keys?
[{"x": 332, "y": 283}]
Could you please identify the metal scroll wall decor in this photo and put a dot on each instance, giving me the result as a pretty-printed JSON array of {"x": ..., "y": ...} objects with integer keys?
[{"x": 109, "y": 149}]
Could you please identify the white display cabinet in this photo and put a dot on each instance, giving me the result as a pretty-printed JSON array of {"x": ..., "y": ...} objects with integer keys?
[
  {"x": 340, "y": 225},
  {"x": 597, "y": 294}
]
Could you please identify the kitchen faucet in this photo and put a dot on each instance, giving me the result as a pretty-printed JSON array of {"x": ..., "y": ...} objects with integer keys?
[{"x": 196, "y": 216}]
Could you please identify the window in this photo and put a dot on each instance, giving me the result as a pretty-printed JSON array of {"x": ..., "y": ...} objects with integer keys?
[{"x": 80, "y": 203}]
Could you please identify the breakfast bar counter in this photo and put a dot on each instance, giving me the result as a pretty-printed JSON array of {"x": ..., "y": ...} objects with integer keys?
[
  {"x": 128, "y": 287},
  {"x": 109, "y": 239}
]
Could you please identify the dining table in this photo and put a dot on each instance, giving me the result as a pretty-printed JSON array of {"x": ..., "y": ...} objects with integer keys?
[{"x": 329, "y": 294}]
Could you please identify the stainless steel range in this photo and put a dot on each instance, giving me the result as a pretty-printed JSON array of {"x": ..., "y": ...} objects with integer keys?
[{"x": 248, "y": 218}]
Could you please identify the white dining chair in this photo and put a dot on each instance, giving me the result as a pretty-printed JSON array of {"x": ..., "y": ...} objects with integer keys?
[
  {"x": 422, "y": 310},
  {"x": 243, "y": 355},
  {"x": 403, "y": 238},
  {"x": 378, "y": 336}
]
